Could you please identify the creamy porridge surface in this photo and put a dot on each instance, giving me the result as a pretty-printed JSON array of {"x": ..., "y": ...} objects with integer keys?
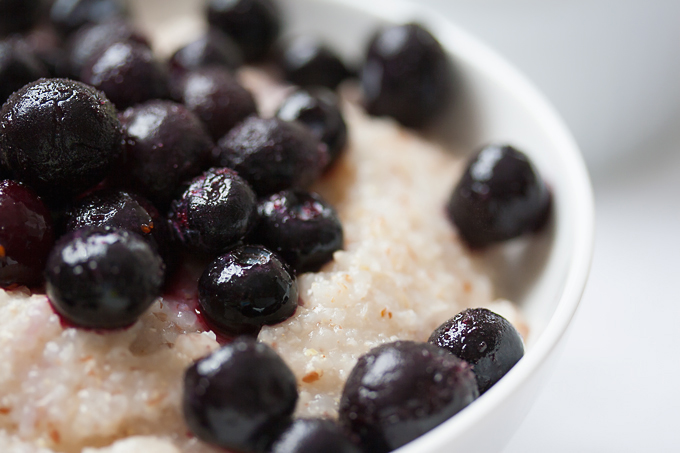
[{"x": 402, "y": 273}]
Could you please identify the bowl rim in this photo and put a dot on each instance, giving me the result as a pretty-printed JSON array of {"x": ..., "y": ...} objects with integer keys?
[{"x": 470, "y": 50}]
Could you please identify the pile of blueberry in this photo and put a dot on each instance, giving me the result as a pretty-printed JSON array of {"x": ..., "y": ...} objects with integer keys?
[{"x": 115, "y": 166}]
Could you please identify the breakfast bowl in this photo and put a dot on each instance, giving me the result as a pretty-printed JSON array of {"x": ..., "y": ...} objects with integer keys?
[{"x": 543, "y": 274}]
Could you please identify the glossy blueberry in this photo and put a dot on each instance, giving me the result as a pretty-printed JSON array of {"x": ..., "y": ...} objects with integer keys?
[
  {"x": 102, "y": 278},
  {"x": 165, "y": 145},
  {"x": 18, "y": 15},
  {"x": 485, "y": 340},
  {"x": 318, "y": 109},
  {"x": 215, "y": 96},
  {"x": 313, "y": 436},
  {"x": 301, "y": 227},
  {"x": 500, "y": 196},
  {"x": 247, "y": 288},
  {"x": 406, "y": 75},
  {"x": 399, "y": 391},
  {"x": 69, "y": 15},
  {"x": 214, "y": 48},
  {"x": 59, "y": 136},
  {"x": 253, "y": 24},
  {"x": 18, "y": 67},
  {"x": 239, "y": 397},
  {"x": 273, "y": 155},
  {"x": 308, "y": 62},
  {"x": 26, "y": 235},
  {"x": 215, "y": 212}
]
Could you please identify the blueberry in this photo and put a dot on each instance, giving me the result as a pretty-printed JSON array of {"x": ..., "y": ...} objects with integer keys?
[
  {"x": 318, "y": 109},
  {"x": 308, "y": 62},
  {"x": 165, "y": 145},
  {"x": 212, "y": 49},
  {"x": 59, "y": 136},
  {"x": 273, "y": 155},
  {"x": 301, "y": 227},
  {"x": 48, "y": 47},
  {"x": 215, "y": 96},
  {"x": 239, "y": 397},
  {"x": 500, "y": 197},
  {"x": 69, "y": 15},
  {"x": 102, "y": 278},
  {"x": 18, "y": 15},
  {"x": 18, "y": 67},
  {"x": 485, "y": 340},
  {"x": 215, "y": 212},
  {"x": 313, "y": 436},
  {"x": 253, "y": 24},
  {"x": 26, "y": 235},
  {"x": 128, "y": 73},
  {"x": 406, "y": 75},
  {"x": 247, "y": 288},
  {"x": 399, "y": 391}
]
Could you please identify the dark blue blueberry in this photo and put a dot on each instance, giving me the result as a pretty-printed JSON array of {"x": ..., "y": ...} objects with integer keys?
[
  {"x": 273, "y": 155},
  {"x": 215, "y": 212},
  {"x": 60, "y": 137},
  {"x": 239, "y": 397},
  {"x": 212, "y": 49},
  {"x": 18, "y": 67},
  {"x": 314, "y": 436},
  {"x": 485, "y": 340},
  {"x": 165, "y": 145},
  {"x": 18, "y": 15},
  {"x": 406, "y": 75},
  {"x": 319, "y": 110},
  {"x": 26, "y": 235},
  {"x": 128, "y": 73},
  {"x": 69, "y": 15},
  {"x": 247, "y": 288},
  {"x": 399, "y": 391},
  {"x": 101, "y": 278},
  {"x": 253, "y": 24},
  {"x": 308, "y": 62},
  {"x": 500, "y": 197},
  {"x": 301, "y": 227},
  {"x": 216, "y": 97}
]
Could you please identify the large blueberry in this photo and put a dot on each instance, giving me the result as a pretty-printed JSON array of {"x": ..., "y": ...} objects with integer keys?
[
  {"x": 214, "y": 48},
  {"x": 308, "y": 62}
]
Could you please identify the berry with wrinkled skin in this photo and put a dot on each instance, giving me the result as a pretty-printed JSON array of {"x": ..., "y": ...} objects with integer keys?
[
  {"x": 406, "y": 75},
  {"x": 212, "y": 49},
  {"x": 18, "y": 67},
  {"x": 69, "y": 15},
  {"x": 239, "y": 397},
  {"x": 299, "y": 226},
  {"x": 216, "y": 97},
  {"x": 500, "y": 196},
  {"x": 100, "y": 278},
  {"x": 307, "y": 62},
  {"x": 313, "y": 436},
  {"x": 79, "y": 136},
  {"x": 165, "y": 145},
  {"x": 215, "y": 212},
  {"x": 485, "y": 340},
  {"x": 26, "y": 235},
  {"x": 399, "y": 391},
  {"x": 253, "y": 24},
  {"x": 273, "y": 155},
  {"x": 18, "y": 15},
  {"x": 318, "y": 110},
  {"x": 245, "y": 289}
]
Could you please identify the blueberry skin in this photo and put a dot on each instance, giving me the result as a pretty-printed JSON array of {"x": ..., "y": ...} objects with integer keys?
[
  {"x": 79, "y": 140},
  {"x": 273, "y": 155},
  {"x": 253, "y": 24},
  {"x": 165, "y": 145},
  {"x": 215, "y": 212},
  {"x": 308, "y": 62},
  {"x": 239, "y": 397},
  {"x": 18, "y": 15},
  {"x": 18, "y": 67},
  {"x": 69, "y": 15},
  {"x": 100, "y": 278},
  {"x": 247, "y": 288},
  {"x": 499, "y": 197},
  {"x": 26, "y": 235},
  {"x": 407, "y": 76},
  {"x": 318, "y": 109},
  {"x": 301, "y": 227},
  {"x": 214, "y": 48},
  {"x": 313, "y": 436},
  {"x": 399, "y": 391},
  {"x": 485, "y": 340}
]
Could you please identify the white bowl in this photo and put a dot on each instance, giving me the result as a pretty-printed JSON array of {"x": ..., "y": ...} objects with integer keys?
[{"x": 545, "y": 275}]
